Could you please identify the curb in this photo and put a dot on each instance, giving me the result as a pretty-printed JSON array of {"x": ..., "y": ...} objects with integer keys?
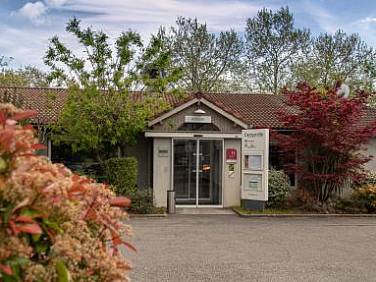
[
  {"x": 147, "y": 215},
  {"x": 305, "y": 215}
]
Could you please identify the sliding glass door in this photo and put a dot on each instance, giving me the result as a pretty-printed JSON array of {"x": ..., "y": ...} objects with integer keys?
[{"x": 198, "y": 172}]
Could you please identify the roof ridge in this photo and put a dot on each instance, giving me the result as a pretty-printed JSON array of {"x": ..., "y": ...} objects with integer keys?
[
  {"x": 140, "y": 91},
  {"x": 32, "y": 87}
]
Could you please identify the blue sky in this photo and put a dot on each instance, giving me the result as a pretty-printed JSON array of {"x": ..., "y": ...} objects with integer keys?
[{"x": 26, "y": 26}]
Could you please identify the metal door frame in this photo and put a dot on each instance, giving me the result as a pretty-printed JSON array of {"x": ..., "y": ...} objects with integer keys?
[{"x": 197, "y": 139}]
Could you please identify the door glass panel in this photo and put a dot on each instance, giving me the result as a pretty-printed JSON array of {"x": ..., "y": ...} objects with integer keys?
[
  {"x": 185, "y": 171},
  {"x": 210, "y": 172}
]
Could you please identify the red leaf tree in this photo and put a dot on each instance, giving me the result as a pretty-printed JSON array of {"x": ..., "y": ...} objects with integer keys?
[{"x": 325, "y": 138}]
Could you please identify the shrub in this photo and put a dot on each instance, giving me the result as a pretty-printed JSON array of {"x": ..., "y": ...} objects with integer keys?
[
  {"x": 369, "y": 179},
  {"x": 55, "y": 225},
  {"x": 278, "y": 188},
  {"x": 122, "y": 174},
  {"x": 142, "y": 203},
  {"x": 366, "y": 196}
]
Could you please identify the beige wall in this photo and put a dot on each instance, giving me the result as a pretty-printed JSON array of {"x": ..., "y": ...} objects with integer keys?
[
  {"x": 231, "y": 184},
  {"x": 161, "y": 170}
]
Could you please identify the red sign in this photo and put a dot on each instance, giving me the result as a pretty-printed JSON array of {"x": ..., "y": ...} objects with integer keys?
[{"x": 231, "y": 154}]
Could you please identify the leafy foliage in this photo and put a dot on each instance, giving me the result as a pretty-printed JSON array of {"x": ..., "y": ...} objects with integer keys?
[
  {"x": 206, "y": 60},
  {"x": 100, "y": 114},
  {"x": 28, "y": 76},
  {"x": 326, "y": 138},
  {"x": 54, "y": 225},
  {"x": 366, "y": 197},
  {"x": 278, "y": 188},
  {"x": 273, "y": 45},
  {"x": 337, "y": 57},
  {"x": 157, "y": 72},
  {"x": 142, "y": 203},
  {"x": 95, "y": 122},
  {"x": 122, "y": 173}
]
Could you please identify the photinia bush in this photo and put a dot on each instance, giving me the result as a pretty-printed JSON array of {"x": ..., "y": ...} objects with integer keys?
[
  {"x": 54, "y": 225},
  {"x": 325, "y": 139}
]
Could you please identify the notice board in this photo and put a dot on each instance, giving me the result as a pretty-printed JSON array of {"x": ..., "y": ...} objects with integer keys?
[{"x": 255, "y": 164}]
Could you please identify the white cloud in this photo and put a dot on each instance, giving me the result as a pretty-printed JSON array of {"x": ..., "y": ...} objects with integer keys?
[
  {"x": 55, "y": 3},
  {"x": 367, "y": 20},
  {"x": 33, "y": 11},
  {"x": 148, "y": 15},
  {"x": 114, "y": 16}
]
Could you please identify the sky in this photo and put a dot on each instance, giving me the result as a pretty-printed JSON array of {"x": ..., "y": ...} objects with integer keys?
[{"x": 26, "y": 26}]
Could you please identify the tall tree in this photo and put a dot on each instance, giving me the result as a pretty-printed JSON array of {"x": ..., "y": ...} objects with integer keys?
[
  {"x": 100, "y": 114},
  {"x": 338, "y": 57},
  {"x": 205, "y": 59},
  {"x": 273, "y": 44}
]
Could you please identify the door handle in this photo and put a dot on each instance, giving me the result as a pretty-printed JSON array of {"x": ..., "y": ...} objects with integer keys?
[{"x": 196, "y": 170}]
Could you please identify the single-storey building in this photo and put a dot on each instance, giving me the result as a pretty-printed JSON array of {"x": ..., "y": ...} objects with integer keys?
[{"x": 196, "y": 147}]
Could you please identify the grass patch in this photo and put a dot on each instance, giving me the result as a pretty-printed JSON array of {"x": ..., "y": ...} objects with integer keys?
[{"x": 267, "y": 211}]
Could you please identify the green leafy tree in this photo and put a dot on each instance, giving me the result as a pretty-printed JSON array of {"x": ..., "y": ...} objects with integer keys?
[
  {"x": 156, "y": 71},
  {"x": 272, "y": 46},
  {"x": 101, "y": 114},
  {"x": 205, "y": 59},
  {"x": 338, "y": 57}
]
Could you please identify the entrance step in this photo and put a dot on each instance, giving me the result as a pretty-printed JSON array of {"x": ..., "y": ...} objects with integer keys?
[{"x": 203, "y": 211}]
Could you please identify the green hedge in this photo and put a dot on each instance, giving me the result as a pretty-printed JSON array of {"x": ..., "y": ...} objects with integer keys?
[{"x": 122, "y": 174}]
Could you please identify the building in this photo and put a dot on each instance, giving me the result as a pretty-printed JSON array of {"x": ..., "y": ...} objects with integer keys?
[{"x": 195, "y": 148}]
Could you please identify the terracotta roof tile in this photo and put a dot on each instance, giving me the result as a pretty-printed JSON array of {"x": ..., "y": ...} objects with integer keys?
[
  {"x": 47, "y": 102},
  {"x": 256, "y": 110}
]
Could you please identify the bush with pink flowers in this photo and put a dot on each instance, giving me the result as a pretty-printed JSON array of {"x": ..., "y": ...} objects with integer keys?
[{"x": 54, "y": 225}]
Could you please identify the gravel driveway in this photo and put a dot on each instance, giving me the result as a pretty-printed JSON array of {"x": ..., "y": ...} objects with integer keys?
[{"x": 229, "y": 248}]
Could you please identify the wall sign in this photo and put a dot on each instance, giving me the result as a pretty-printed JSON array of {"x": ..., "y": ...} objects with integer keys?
[
  {"x": 255, "y": 159},
  {"x": 231, "y": 170},
  {"x": 198, "y": 119},
  {"x": 162, "y": 152},
  {"x": 231, "y": 155}
]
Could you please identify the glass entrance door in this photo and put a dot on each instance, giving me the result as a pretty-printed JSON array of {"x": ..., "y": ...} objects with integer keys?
[
  {"x": 198, "y": 171},
  {"x": 185, "y": 176}
]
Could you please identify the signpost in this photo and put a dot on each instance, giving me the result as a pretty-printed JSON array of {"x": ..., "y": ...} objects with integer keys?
[{"x": 255, "y": 166}]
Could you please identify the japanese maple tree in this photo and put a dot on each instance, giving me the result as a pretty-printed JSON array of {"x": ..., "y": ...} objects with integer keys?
[{"x": 326, "y": 139}]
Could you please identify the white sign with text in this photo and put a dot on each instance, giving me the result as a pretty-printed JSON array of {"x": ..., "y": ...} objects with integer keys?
[
  {"x": 255, "y": 164},
  {"x": 197, "y": 119}
]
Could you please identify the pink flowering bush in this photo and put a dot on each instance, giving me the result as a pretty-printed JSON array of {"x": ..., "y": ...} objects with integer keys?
[{"x": 54, "y": 225}]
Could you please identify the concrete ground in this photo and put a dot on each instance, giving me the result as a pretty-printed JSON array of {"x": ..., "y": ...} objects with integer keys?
[{"x": 230, "y": 248}]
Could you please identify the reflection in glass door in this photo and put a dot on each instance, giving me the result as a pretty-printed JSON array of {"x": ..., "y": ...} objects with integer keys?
[
  {"x": 198, "y": 171},
  {"x": 185, "y": 162},
  {"x": 210, "y": 172}
]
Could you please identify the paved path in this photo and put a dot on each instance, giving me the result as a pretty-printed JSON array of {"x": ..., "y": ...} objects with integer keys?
[{"x": 228, "y": 248}]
